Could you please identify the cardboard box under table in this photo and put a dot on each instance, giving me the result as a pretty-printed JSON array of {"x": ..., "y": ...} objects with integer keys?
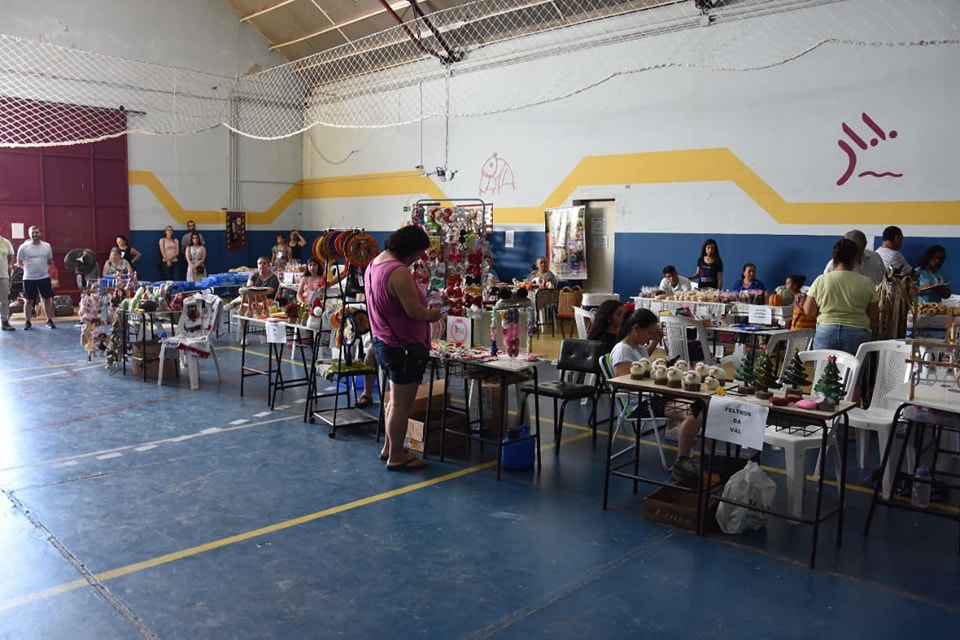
[{"x": 148, "y": 356}]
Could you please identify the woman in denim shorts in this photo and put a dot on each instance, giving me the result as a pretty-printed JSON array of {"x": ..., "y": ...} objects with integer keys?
[{"x": 400, "y": 323}]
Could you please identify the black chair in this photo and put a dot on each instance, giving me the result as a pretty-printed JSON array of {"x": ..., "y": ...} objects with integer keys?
[{"x": 577, "y": 358}]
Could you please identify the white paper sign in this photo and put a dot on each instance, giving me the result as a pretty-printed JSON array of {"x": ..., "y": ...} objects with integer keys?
[
  {"x": 759, "y": 314},
  {"x": 276, "y": 332},
  {"x": 508, "y": 239},
  {"x": 459, "y": 330},
  {"x": 736, "y": 422}
]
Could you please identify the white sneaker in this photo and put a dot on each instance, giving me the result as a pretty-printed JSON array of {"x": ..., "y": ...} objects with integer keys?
[{"x": 672, "y": 433}]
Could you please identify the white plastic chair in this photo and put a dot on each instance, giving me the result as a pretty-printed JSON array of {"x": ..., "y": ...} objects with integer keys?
[
  {"x": 192, "y": 339},
  {"x": 789, "y": 340},
  {"x": 583, "y": 318},
  {"x": 621, "y": 404},
  {"x": 796, "y": 443},
  {"x": 675, "y": 339},
  {"x": 892, "y": 370}
]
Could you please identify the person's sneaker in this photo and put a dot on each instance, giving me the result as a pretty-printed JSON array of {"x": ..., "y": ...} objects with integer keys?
[
  {"x": 27, "y": 325},
  {"x": 685, "y": 472},
  {"x": 51, "y": 324},
  {"x": 6, "y": 326}
]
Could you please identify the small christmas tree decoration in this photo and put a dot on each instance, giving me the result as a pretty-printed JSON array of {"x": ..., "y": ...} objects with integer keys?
[
  {"x": 829, "y": 385},
  {"x": 795, "y": 375},
  {"x": 766, "y": 377},
  {"x": 745, "y": 373}
]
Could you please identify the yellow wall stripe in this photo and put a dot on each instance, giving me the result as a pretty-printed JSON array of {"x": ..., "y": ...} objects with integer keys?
[{"x": 655, "y": 167}]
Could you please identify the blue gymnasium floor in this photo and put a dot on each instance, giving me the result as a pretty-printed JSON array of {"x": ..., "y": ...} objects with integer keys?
[{"x": 132, "y": 511}]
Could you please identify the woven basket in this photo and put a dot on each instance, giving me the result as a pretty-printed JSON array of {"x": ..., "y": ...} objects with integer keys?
[{"x": 569, "y": 298}]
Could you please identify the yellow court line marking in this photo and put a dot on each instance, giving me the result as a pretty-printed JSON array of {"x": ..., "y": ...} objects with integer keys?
[{"x": 243, "y": 537}]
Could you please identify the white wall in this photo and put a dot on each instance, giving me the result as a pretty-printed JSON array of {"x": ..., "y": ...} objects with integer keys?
[
  {"x": 781, "y": 126},
  {"x": 201, "y": 35}
]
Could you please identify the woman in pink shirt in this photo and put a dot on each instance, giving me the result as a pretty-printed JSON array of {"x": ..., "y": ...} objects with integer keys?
[{"x": 400, "y": 323}]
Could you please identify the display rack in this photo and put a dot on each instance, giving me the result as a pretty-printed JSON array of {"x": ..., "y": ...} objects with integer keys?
[
  {"x": 348, "y": 329},
  {"x": 455, "y": 273}
]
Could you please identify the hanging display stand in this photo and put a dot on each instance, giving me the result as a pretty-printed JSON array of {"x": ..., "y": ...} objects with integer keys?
[{"x": 348, "y": 328}]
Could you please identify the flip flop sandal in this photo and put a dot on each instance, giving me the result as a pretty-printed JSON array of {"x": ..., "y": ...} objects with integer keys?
[
  {"x": 364, "y": 401},
  {"x": 410, "y": 464}
]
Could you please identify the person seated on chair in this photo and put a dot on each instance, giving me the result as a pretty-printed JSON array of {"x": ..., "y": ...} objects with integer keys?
[
  {"x": 605, "y": 327},
  {"x": 748, "y": 280},
  {"x": 262, "y": 277},
  {"x": 542, "y": 276},
  {"x": 117, "y": 265},
  {"x": 934, "y": 286},
  {"x": 673, "y": 282},
  {"x": 640, "y": 335}
]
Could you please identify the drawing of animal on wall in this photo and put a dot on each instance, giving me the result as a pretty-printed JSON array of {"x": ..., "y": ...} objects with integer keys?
[{"x": 495, "y": 176}]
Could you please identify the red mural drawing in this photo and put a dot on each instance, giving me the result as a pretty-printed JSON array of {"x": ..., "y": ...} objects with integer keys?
[
  {"x": 879, "y": 134},
  {"x": 495, "y": 175}
]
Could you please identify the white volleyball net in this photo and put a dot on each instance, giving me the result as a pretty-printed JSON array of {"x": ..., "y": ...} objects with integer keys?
[{"x": 440, "y": 65}]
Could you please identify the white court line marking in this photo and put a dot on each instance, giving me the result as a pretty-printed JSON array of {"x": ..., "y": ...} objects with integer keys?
[
  {"x": 145, "y": 448},
  {"x": 107, "y": 456},
  {"x": 68, "y": 463},
  {"x": 262, "y": 414},
  {"x": 238, "y": 422},
  {"x": 211, "y": 430},
  {"x": 93, "y": 454},
  {"x": 61, "y": 372}
]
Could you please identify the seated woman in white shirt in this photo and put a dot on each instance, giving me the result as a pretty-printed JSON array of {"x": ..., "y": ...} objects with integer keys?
[
  {"x": 640, "y": 334},
  {"x": 673, "y": 282}
]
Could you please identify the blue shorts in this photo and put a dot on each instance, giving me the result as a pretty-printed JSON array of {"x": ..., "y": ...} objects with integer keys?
[
  {"x": 840, "y": 337},
  {"x": 31, "y": 288},
  {"x": 401, "y": 365}
]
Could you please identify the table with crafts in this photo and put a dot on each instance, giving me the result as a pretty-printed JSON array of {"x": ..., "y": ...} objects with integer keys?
[
  {"x": 478, "y": 365},
  {"x": 745, "y": 428},
  {"x": 278, "y": 334}
]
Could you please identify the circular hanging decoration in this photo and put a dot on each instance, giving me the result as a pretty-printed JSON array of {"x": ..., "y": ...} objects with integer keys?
[
  {"x": 361, "y": 249},
  {"x": 362, "y": 320},
  {"x": 318, "y": 249},
  {"x": 330, "y": 239},
  {"x": 341, "y": 242}
]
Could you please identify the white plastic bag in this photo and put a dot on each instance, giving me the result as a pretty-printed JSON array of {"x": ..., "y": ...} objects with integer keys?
[{"x": 751, "y": 486}]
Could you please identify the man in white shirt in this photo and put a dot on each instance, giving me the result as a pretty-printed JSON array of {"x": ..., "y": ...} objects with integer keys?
[
  {"x": 673, "y": 282},
  {"x": 889, "y": 252},
  {"x": 36, "y": 256},
  {"x": 870, "y": 263},
  {"x": 6, "y": 264}
]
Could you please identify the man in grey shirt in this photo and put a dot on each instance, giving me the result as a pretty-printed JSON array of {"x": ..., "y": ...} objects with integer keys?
[
  {"x": 870, "y": 263},
  {"x": 36, "y": 256}
]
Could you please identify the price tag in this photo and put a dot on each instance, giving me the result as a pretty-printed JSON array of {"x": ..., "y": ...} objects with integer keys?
[
  {"x": 276, "y": 332},
  {"x": 759, "y": 314}
]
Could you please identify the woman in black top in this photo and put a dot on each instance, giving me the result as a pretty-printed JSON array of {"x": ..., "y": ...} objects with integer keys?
[
  {"x": 709, "y": 266},
  {"x": 127, "y": 252},
  {"x": 297, "y": 243}
]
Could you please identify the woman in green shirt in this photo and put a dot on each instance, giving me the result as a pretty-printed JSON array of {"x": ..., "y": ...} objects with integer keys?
[{"x": 844, "y": 302}]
